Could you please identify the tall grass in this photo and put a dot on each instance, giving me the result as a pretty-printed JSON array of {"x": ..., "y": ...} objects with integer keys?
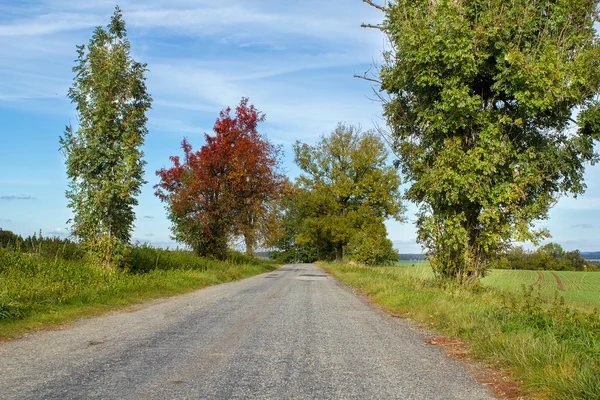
[
  {"x": 36, "y": 290},
  {"x": 551, "y": 348}
]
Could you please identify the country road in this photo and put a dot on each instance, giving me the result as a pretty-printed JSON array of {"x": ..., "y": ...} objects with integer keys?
[{"x": 295, "y": 333}]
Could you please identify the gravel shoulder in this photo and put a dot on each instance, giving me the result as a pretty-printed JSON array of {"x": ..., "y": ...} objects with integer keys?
[{"x": 294, "y": 333}]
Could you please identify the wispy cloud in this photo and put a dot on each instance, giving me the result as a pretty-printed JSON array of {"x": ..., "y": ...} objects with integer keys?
[
  {"x": 57, "y": 232},
  {"x": 583, "y": 226},
  {"x": 50, "y": 23},
  {"x": 5, "y": 220},
  {"x": 22, "y": 197},
  {"x": 149, "y": 234},
  {"x": 148, "y": 217}
]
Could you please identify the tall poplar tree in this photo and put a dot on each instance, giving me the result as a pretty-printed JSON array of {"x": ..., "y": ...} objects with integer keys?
[
  {"x": 493, "y": 110},
  {"x": 104, "y": 159}
]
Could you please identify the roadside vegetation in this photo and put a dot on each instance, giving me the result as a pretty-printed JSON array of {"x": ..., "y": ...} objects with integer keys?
[
  {"x": 55, "y": 281},
  {"x": 552, "y": 349},
  {"x": 492, "y": 111}
]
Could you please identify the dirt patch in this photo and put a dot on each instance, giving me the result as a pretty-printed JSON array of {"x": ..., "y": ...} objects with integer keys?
[
  {"x": 501, "y": 385},
  {"x": 540, "y": 278},
  {"x": 559, "y": 282}
]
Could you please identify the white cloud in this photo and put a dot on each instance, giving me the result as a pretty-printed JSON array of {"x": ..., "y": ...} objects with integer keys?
[
  {"x": 57, "y": 232},
  {"x": 50, "y": 23}
]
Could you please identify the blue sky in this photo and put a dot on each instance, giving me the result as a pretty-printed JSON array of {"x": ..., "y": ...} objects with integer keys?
[{"x": 295, "y": 60}]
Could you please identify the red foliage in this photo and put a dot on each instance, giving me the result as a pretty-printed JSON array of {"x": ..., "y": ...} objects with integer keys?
[{"x": 211, "y": 194}]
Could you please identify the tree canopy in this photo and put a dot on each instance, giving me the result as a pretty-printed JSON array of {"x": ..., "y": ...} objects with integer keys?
[
  {"x": 225, "y": 188},
  {"x": 103, "y": 156},
  {"x": 493, "y": 111},
  {"x": 346, "y": 193}
]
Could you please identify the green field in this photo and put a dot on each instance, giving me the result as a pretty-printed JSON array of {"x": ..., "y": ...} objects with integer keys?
[{"x": 579, "y": 288}]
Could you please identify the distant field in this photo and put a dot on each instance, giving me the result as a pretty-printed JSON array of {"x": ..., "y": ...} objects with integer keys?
[
  {"x": 412, "y": 263},
  {"x": 581, "y": 288}
]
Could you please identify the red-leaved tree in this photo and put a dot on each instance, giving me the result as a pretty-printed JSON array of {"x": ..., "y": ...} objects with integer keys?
[{"x": 227, "y": 187}]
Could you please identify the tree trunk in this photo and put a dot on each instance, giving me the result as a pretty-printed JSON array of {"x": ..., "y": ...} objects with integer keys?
[
  {"x": 339, "y": 251},
  {"x": 248, "y": 240}
]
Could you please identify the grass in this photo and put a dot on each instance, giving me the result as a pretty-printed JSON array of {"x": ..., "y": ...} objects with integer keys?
[
  {"x": 37, "y": 292},
  {"x": 577, "y": 288},
  {"x": 581, "y": 289},
  {"x": 552, "y": 349}
]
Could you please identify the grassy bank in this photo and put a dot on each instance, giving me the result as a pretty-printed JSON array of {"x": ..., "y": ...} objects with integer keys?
[
  {"x": 38, "y": 292},
  {"x": 554, "y": 350}
]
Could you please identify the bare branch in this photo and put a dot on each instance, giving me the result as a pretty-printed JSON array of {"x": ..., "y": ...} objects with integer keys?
[
  {"x": 377, "y": 6},
  {"x": 366, "y": 78},
  {"x": 380, "y": 27}
]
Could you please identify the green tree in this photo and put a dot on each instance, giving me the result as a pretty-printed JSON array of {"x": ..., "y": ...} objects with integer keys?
[
  {"x": 103, "y": 156},
  {"x": 346, "y": 187},
  {"x": 296, "y": 208},
  {"x": 492, "y": 109}
]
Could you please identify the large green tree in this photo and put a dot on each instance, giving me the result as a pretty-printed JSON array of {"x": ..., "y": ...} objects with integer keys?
[
  {"x": 493, "y": 110},
  {"x": 346, "y": 188},
  {"x": 104, "y": 158}
]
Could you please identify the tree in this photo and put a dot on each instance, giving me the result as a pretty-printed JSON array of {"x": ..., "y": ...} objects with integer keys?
[
  {"x": 346, "y": 187},
  {"x": 481, "y": 105},
  {"x": 295, "y": 211},
  {"x": 228, "y": 187},
  {"x": 304, "y": 238},
  {"x": 103, "y": 156}
]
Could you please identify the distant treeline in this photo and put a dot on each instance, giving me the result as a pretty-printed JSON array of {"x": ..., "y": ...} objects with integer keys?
[
  {"x": 548, "y": 257},
  {"x": 591, "y": 255},
  {"x": 412, "y": 257},
  {"x": 47, "y": 247}
]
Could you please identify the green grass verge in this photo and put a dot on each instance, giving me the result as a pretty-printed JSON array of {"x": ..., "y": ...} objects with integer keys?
[
  {"x": 38, "y": 293},
  {"x": 552, "y": 349}
]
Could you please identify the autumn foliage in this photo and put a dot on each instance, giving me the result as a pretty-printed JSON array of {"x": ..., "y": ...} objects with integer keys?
[{"x": 226, "y": 188}]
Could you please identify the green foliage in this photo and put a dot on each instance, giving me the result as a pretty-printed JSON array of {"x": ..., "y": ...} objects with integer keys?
[
  {"x": 46, "y": 247},
  {"x": 481, "y": 99},
  {"x": 551, "y": 256},
  {"x": 549, "y": 347},
  {"x": 370, "y": 246},
  {"x": 103, "y": 156},
  {"x": 9, "y": 239},
  {"x": 346, "y": 191},
  {"x": 297, "y": 207}
]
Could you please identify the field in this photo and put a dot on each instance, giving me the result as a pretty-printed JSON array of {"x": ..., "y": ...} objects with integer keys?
[
  {"x": 577, "y": 288},
  {"x": 581, "y": 288}
]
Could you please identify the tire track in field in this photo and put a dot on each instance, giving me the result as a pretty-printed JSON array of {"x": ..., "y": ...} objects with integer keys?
[
  {"x": 559, "y": 282},
  {"x": 540, "y": 278}
]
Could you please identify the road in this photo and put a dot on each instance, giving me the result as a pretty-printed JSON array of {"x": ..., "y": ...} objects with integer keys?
[{"x": 295, "y": 333}]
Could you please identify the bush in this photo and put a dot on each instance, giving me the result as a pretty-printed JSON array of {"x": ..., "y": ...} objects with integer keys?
[{"x": 145, "y": 258}]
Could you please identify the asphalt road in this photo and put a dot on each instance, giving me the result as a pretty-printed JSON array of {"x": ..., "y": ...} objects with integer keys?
[{"x": 295, "y": 333}]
